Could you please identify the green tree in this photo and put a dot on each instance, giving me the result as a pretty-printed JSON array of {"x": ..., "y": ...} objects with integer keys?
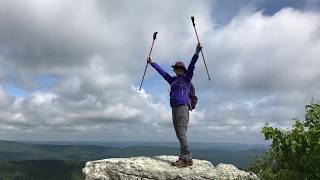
[{"x": 294, "y": 153}]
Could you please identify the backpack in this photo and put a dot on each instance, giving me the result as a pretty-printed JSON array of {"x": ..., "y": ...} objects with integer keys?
[{"x": 193, "y": 99}]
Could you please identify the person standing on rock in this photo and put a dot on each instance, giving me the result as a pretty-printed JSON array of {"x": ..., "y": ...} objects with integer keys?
[{"x": 179, "y": 102}]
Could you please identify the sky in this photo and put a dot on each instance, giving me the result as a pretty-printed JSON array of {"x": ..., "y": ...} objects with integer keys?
[{"x": 70, "y": 70}]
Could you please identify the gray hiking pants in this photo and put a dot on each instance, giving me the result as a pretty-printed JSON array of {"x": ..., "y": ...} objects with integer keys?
[{"x": 180, "y": 117}]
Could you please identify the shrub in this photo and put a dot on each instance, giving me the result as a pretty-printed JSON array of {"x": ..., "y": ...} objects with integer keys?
[{"x": 294, "y": 153}]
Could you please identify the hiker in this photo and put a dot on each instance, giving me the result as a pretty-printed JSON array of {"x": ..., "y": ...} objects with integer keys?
[{"x": 179, "y": 102}]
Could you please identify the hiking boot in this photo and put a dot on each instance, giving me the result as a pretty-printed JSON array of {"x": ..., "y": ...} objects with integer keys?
[
  {"x": 188, "y": 163},
  {"x": 180, "y": 162}
]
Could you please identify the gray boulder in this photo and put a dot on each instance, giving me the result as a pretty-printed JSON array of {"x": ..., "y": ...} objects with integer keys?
[{"x": 159, "y": 167}]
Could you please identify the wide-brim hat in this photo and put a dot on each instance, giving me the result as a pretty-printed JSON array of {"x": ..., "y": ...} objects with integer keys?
[{"x": 179, "y": 64}]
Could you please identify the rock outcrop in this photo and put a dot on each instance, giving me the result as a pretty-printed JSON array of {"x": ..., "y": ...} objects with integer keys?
[{"x": 159, "y": 167}]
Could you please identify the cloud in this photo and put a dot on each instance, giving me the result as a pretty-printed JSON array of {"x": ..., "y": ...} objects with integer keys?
[
  {"x": 263, "y": 69},
  {"x": 3, "y": 97}
]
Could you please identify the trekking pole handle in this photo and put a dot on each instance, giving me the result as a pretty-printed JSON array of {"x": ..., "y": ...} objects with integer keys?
[
  {"x": 192, "y": 19},
  {"x": 194, "y": 27},
  {"x": 155, "y": 35},
  {"x": 154, "y": 38}
]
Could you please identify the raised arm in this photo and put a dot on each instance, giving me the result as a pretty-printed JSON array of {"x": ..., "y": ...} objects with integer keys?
[
  {"x": 191, "y": 67},
  {"x": 162, "y": 72}
]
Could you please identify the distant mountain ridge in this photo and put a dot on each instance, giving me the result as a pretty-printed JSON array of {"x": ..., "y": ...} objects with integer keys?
[
  {"x": 241, "y": 156},
  {"x": 194, "y": 145}
]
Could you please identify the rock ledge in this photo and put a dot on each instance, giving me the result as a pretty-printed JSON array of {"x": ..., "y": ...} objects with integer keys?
[{"x": 158, "y": 167}]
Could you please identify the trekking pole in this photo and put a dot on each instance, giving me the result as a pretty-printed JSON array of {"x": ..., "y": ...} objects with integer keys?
[
  {"x": 145, "y": 69},
  {"x": 194, "y": 26}
]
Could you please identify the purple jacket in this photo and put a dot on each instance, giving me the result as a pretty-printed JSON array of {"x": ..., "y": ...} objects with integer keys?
[{"x": 179, "y": 92}]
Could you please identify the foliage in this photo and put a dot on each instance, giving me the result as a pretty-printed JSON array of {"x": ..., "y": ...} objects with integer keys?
[
  {"x": 41, "y": 169},
  {"x": 294, "y": 153},
  {"x": 236, "y": 154}
]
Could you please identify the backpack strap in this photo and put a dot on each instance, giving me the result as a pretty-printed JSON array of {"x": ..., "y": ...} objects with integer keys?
[{"x": 188, "y": 90}]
